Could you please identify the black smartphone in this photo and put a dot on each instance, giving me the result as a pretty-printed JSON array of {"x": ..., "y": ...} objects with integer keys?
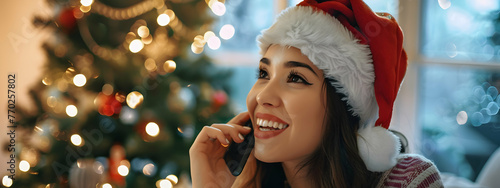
[{"x": 237, "y": 153}]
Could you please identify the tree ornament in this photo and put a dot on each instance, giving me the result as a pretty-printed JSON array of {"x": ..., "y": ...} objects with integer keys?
[
  {"x": 67, "y": 20},
  {"x": 116, "y": 160},
  {"x": 219, "y": 98},
  {"x": 110, "y": 105}
]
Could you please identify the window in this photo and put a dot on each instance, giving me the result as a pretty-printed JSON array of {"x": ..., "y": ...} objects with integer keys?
[{"x": 458, "y": 82}]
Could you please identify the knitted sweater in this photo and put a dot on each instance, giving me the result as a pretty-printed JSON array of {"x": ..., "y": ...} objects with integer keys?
[{"x": 411, "y": 171}]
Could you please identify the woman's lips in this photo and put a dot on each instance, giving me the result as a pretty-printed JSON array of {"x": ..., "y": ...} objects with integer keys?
[{"x": 268, "y": 126}]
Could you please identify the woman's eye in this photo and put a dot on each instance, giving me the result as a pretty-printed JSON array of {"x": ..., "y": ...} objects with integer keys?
[
  {"x": 262, "y": 74},
  {"x": 297, "y": 79}
]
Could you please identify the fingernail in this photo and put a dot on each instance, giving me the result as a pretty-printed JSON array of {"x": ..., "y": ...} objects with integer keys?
[
  {"x": 241, "y": 136},
  {"x": 247, "y": 128},
  {"x": 227, "y": 141}
]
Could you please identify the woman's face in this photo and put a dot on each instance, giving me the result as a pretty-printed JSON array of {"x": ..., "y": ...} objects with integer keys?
[{"x": 287, "y": 106}]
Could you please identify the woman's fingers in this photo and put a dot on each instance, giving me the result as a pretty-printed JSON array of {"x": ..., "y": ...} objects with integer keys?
[
  {"x": 235, "y": 132},
  {"x": 212, "y": 133},
  {"x": 225, "y": 133}
]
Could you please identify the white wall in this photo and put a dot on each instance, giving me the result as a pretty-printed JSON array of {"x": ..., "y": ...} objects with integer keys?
[{"x": 21, "y": 53}]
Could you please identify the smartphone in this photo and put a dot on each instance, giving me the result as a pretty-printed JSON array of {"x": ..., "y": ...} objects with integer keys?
[{"x": 237, "y": 153}]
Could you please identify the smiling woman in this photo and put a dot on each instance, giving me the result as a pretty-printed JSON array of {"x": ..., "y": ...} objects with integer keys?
[{"x": 319, "y": 116}]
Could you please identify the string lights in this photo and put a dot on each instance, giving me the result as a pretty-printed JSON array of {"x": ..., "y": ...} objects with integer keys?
[{"x": 136, "y": 41}]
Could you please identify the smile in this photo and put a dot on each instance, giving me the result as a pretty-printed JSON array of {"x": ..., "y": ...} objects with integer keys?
[{"x": 269, "y": 125}]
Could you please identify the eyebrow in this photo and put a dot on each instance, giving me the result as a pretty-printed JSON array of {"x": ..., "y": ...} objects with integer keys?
[{"x": 290, "y": 64}]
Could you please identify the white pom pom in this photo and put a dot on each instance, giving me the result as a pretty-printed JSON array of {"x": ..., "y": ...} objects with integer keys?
[{"x": 378, "y": 147}]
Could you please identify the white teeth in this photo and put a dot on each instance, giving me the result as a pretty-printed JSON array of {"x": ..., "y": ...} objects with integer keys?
[
  {"x": 275, "y": 125},
  {"x": 266, "y": 125}
]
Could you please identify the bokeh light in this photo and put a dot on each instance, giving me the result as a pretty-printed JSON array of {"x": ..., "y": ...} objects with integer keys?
[
  {"x": 6, "y": 181},
  {"x": 163, "y": 183},
  {"x": 86, "y": 2},
  {"x": 169, "y": 66},
  {"x": 214, "y": 43},
  {"x": 79, "y": 80},
  {"x": 152, "y": 129},
  {"x": 71, "y": 110},
  {"x": 208, "y": 35},
  {"x": 107, "y": 185},
  {"x": 195, "y": 49},
  {"x": 76, "y": 140},
  {"x": 226, "y": 32},
  {"x": 134, "y": 99},
  {"x": 149, "y": 169},
  {"x": 218, "y": 8},
  {"x": 136, "y": 45},
  {"x": 444, "y": 4},
  {"x": 163, "y": 19},
  {"x": 123, "y": 170},
  {"x": 462, "y": 117},
  {"x": 24, "y": 166},
  {"x": 173, "y": 178},
  {"x": 150, "y": 65},
  {"x": 143, "y": 31}
]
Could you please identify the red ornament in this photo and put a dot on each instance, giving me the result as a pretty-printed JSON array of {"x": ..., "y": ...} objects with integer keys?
[
  {"x": 219, "y": 99},
  {"x": 110, "y": 105},
  {"x": 67, "y": 19},
  {"x": 116, "y": 159}
]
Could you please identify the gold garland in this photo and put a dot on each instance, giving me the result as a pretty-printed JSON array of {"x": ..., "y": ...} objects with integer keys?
[{"x": 125, "y": 13}]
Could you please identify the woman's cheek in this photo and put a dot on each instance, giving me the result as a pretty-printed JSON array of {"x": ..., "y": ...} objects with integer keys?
[{"x": 252, "y": 100}]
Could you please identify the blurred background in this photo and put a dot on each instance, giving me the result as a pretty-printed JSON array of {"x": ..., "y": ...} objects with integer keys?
[{"x": 111, "y": 93}]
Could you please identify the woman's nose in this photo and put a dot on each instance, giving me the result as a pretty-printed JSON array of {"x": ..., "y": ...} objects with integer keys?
[{"x": 269, "y": 95}]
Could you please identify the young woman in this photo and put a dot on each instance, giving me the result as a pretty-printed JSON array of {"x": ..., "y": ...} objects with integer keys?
[{"x": 319, "y": 116}]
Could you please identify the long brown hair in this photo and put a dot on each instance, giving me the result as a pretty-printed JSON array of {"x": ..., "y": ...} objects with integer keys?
[{"x": 336, "y": 162}]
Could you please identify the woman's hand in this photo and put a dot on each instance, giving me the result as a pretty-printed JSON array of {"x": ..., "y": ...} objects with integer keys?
[{"x": 208, "y": 168}]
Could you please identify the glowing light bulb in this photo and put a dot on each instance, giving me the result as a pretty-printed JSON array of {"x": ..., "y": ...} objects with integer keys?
[
  {"x": 226, "y": 32},
  {"x": 24, "y": 166},
  {"x": 123, "y": 170},
  {"x": 152, "y": 129},
  {"x": 173, "y": 178},
  {"x": 71, "y": 110},
  {"x": 218, "y": 8},
  {"x": 76, "y": 140},
  {"x": 106, "y": 185},
  {"x": 214, "y": 43},
  {"x": 79, "y": 80},
  {"x": 136, "y": 45},
  {"x": 163, "y": 19},
  {"x": 134, "y": 99},
  {"x": 6, "y": 181}
]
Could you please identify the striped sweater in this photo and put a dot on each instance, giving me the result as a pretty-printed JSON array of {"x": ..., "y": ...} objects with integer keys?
[{"x": 411, "y": 171}]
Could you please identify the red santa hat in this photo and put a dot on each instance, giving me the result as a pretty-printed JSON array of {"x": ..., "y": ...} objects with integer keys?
[{"x": 363, "y": 52}]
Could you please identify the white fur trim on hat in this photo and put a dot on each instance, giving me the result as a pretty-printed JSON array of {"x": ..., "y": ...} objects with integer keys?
[
  {"x": 333, "y": 49},
  {"x": 378, "y": 147}
]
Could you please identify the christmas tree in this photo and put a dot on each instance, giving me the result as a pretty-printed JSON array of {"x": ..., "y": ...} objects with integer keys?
[{"x": 125, "y": 89}]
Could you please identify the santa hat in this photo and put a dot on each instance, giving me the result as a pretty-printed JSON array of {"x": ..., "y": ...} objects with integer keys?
[{"x": 359, "y": 49}]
